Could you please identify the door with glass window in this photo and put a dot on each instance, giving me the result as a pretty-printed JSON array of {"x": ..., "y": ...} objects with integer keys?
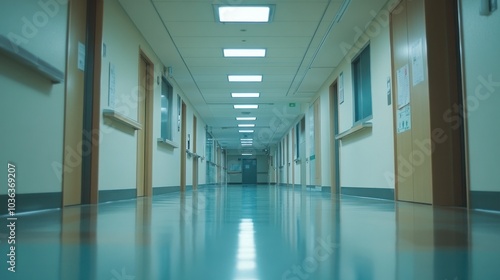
[{"x": 249, "y": 171}]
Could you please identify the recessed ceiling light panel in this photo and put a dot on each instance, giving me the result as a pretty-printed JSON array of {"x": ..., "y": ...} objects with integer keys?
[
  {"x": 245, "y": 106},
  {"x": 244, "y": 13},
  {"x": 244, "y": 52},
  {"x": 245, "y": 95},
  {"x": 244, "y": 78},
  {"x": 246, "y": 118}
]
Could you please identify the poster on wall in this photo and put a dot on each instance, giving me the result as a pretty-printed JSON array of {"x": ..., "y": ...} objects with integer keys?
[
  {"x": 403, "y": 80},
  {"x": 417, "y": 63},
  {"x": 81, "y": 56},
  {"x": 404, "y": 119},
  {"x": 111, "y": 86},
  {"x": 341, "y": 88},
  {"x": 388, "y": 90}
]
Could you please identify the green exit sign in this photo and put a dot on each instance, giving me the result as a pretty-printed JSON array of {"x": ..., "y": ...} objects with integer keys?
[{"x": 291, "y": 104}]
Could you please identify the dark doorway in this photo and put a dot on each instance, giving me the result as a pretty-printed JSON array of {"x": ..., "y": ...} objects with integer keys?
[{"x": 249, "y": 167}]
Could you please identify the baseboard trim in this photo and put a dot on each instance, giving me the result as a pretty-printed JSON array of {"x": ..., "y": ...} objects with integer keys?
[
  {"x": 33, "y": 202},
  {"x": 164, "y": 190},
  {"x": 114, "y": 195},
  {"x": 485, "y": 200},
  {"x": 368, "y": 192}
]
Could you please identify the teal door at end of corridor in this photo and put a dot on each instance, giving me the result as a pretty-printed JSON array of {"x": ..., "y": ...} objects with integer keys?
[{"x": 249, "y": 171}]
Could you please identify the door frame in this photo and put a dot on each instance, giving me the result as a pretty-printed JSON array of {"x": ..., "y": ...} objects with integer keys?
[
  {"x": 302, "y": 152},
  {"x": 183, "y": 146},
  {"x": 195, "y": 158},
  {"x": 144, "y": 172},
  {"x": 334, "y": 143}
]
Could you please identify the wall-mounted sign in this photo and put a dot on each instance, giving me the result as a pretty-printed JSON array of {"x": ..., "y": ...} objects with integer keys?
[
  {"x": 111, "y": 86},
  {"x": 81, "y": 56},
  {"x": 404, "y": 119}
]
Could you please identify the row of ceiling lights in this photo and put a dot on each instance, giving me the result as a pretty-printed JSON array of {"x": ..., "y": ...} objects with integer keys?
[{"x": 245, "y": 14}]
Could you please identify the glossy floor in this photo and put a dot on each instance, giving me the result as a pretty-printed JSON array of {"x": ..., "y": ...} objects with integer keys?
[{"x": 255, "y": 232}]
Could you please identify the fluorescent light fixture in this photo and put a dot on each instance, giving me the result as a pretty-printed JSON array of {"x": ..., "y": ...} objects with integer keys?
[
  {"x": 246, "y": 118},
  {"x": 244, "y": 52},
  {"x": 249, "y": 94},
  {"x": 246, "y": 125},
  {"x": 244, "y": 13},
  {"x": 244, "y": 78},
  {"x": 246, "y": 139},
  {"x": 246, "y": 131},
  {"x": 246, "y": 106},
  {"x": 246, "y": 145},
  {"x": 246, "y": 154}
]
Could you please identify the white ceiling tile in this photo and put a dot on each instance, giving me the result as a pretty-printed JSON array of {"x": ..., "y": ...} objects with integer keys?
[{"x": 302, "y": 52}]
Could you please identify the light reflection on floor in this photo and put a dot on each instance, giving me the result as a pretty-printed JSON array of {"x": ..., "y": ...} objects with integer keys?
[{"x": 255, "y": 233}]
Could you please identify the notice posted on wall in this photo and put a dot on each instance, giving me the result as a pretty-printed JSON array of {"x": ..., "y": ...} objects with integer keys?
[
  {"x": 111, "y": 86},
  {"x": 81, "y": 56},
  {"x": 404, "y": 119},
  {"x": 417, "y": 63},
  {"x": 403, "y": 81}
]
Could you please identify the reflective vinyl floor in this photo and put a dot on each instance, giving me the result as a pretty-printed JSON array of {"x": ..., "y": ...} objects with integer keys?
[{"x": 248, "y": 232}]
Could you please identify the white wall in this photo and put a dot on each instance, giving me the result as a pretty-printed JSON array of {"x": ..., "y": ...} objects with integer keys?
[
  {"x": 32, "y": 108},
  {"x": 366, "y": 157},
  {"x": 481, "y": 37},
  {"x": 117, "y": 167}
]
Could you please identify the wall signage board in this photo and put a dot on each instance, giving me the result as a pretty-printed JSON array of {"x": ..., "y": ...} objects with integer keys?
[
  {"x": 403, "y": 81},
  {"x": 417, "y": 63},
  {"x": 404, "y": 119},
  {"x": 341, "y": 88},
  {"x": 388, "y": 89},
  {"x": 81, "y": 56},
  {"x": 111, "y": 86}
]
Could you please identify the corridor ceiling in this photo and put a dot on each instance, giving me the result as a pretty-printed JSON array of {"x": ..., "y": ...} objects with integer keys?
[{"x": 305, "y": 42}]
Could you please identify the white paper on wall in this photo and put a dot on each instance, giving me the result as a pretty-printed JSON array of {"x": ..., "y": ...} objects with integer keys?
[
  {"x": 81, "y": 56},
  {"x": 403, "y": 81},
  {"x": 404, "y": 119},
  {"x": 417, "y": 63}
]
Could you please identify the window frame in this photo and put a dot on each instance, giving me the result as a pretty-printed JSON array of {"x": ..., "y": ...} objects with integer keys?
[
  {"x": 166, "y": 130},
  {"x": 358, "y": 80}
]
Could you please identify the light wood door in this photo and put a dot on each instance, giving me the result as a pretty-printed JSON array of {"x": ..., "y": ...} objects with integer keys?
[
  {"x": 183, "y": 146},
  {"x": 334, "y": 143},
  {"x": 73, "y": 119},
  {"x": 144, "y": 135}
]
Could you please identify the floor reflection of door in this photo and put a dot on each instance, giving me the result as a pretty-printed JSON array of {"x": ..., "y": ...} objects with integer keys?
[{"x": 249, "y": 171}]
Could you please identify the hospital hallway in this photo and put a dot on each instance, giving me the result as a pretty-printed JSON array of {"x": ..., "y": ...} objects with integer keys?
[{"x": 259, "y": 232}]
